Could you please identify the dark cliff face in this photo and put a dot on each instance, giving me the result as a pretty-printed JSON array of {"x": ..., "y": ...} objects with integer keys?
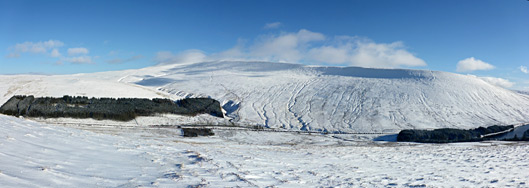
[{"x": 123, "y": 109}]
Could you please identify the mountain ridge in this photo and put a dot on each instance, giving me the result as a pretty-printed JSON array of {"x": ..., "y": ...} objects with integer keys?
[
  {"x": 349, "y": 99},
  {"x": 315, "y": 98}
]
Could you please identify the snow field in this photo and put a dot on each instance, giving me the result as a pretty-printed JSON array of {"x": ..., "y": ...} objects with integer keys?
[
  {"x": 37, "y": 155},
  {"x": 276, "y": 95}
]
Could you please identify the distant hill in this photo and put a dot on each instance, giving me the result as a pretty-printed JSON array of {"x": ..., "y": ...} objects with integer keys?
[
  {"x": 522, "y": 92},
  {"x": 301, "y": 97}
]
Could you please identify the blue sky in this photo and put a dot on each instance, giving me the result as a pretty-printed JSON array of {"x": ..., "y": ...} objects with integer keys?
[{"x": 483, "y": 38}]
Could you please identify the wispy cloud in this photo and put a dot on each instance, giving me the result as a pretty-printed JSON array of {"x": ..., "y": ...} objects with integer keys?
[
  {"x": 310, "y": 47},
  {"x": 288, "y": 47},
  {"x": 472, "y": 64},
  {"x": 188, "y": 56},
  {"x": 356, "y": 51},
  {"x": 80, "y": 60},
  {"x": 51, "y": 48},
  {"x": 498, "y": 81},
  {"x": 272, "y": 25},
  {"x": 119, "y": 60},
  {"x": 523, "y": 69},
  {"x": 33, "y": 47},
  {"x": 77, "y": 51},
  {"x": 113, "y": 52},
  {"x": 55, "y": 53}
]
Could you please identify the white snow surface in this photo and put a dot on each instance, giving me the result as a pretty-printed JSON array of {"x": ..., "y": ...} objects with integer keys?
[
  {"x": 90, "y": 153},
  {"x": 300, "y": 97},
  {"x": 348, "y": 99},
  {"x": 39, "y": 155}
]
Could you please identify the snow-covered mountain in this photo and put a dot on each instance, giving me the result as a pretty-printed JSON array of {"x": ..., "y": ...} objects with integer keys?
[
  {"x": 522, "y": 92},
  {"x": 294, "y": 96}
]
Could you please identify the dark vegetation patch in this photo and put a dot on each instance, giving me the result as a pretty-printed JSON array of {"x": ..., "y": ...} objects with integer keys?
[
  {"x": 194, "y": 132},
  {"x": 451, "y": 135},
  {"x": 122, "y": 109},
  {"x": 524, "y": 137}
]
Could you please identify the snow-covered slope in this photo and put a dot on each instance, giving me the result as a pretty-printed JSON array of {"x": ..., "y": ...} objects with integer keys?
[
  {"x": 295, "y": 96},
  {"x": 346, "y": 99},
  {"x": 522, "y": 92},
  {"x": 39, "y": 155}
]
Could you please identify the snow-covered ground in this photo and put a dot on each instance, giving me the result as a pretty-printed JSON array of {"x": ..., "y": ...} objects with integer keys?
[
  {"x": 347, "y": 99},
  {"x": 39, "y": 155},
  {"x": 89, "y": 153}
]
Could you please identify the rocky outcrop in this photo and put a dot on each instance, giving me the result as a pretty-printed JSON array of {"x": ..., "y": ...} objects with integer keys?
[{"x": 123, "y": 109}]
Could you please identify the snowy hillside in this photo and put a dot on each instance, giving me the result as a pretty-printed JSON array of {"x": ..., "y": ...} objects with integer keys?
[
  {"x": 37, "y": 155},
  {"x": 115, "y": 154},
  {"x": 522, "y": 92},
  {"x": 303, "y": 97},
  {"x": 342, "y": 99}
]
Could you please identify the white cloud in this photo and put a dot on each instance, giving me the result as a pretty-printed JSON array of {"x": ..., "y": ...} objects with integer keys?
[
  {"x": 52, "y": 44},
  {"x": 55, "y": 53},
  {"x": 330, "y": 54},
  {"x": 77, "y": 51},
  {"x": 188, "y": 56},
  {"x": 498, "y": 81},
  {"x": 272, "y": 25},
  {"x": 306, "y": 46},
  {"x": 472, "y": 64},
  {"x": 523, "y": 69},
  {"x": 80, "y": 60},
  {"x": 365, "y": 53},
  {"x": 370, "y": 54},
  {"x": 287, "y": 47},
  {"x": 119, "y": 60},
  {"x": 33, "y": 47},
  {"x": 113, "y": 52},
  {"x": 13, "y": 55}
]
